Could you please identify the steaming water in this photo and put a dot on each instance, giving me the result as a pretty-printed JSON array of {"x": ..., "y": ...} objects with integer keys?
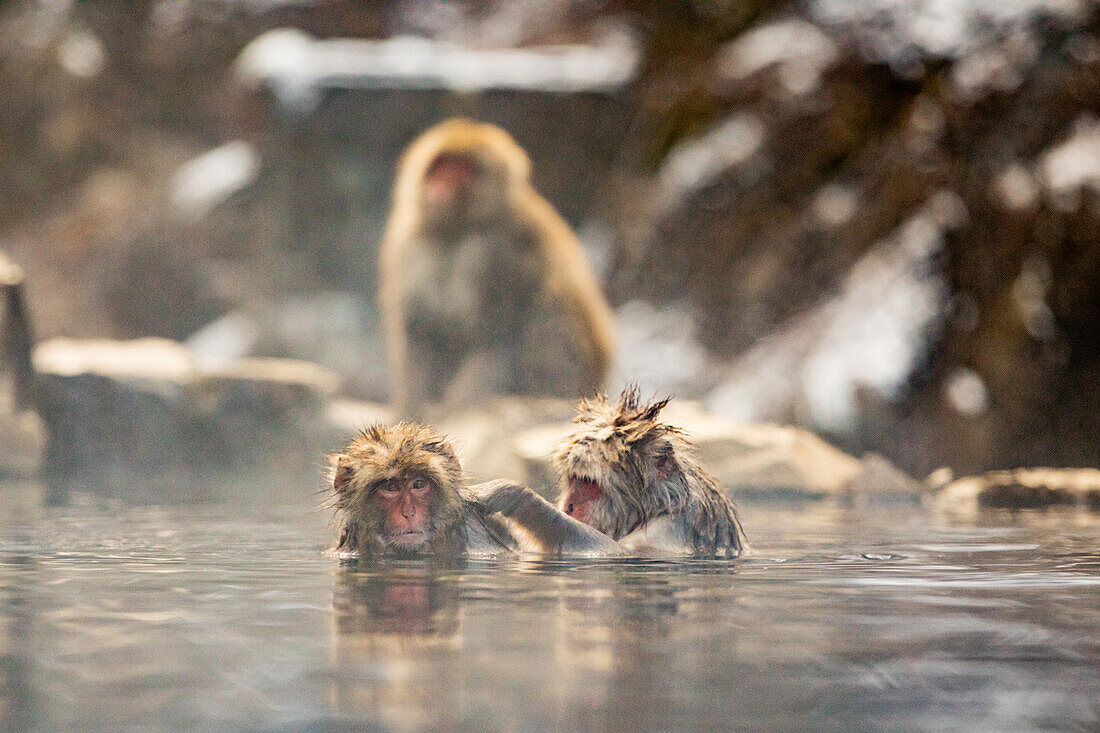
[{"x": 183, "y": 619}]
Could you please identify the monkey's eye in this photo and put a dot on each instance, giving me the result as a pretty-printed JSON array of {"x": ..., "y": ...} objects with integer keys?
[
  {"x": 419, "y": 484},
  {"x": 388, "y": 490}
]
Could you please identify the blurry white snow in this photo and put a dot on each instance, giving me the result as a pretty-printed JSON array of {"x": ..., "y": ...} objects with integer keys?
[
  {"x": 994, "y": 41},
  {"x": 994, "y": 69},
  {"x": 81, "y": 54},
  {"x": 498, "y": 24},
  {"x": 871, "y": 335},
  {"x": 1029, "y": 293},
  {"x": 834, "y": 205},
  {"x": 700, "y": 160},
  {"x": 326, "y": 327},
  {"x": 944, "y": 28},
  {"x": 10, "y": 273},
  {"x": 801, "y": 52},
  {"x": 965, "y": 391},
  {"x": 146, "y": 358},
  {"x": 224, "y": 340},
  {"x": 1017, "y": 188},
  {"x": 297, "y": 67},
  {"x": 598, "y": 241},
  {"x": 203, "y": 182},
  {"x": 1067, "y": 168},
  {"x": 657, "y": 350}
]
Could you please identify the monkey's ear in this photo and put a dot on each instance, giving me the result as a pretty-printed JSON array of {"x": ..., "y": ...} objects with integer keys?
[{"x": 341, "y": 476}]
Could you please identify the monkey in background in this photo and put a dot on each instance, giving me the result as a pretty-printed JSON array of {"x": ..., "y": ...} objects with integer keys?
[
  {"x": 637, "y": 480},
  {"x": 400, "y": 491},
  {"x": 484, "y": 288}
]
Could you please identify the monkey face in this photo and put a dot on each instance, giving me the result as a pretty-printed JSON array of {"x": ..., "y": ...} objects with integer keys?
[
  {"x": 619, "y": 467},
  {"x": 462, "y": 190},
  {"x": 398, "y": 488},
  {"x": 405, "y": 506},
  {"x": 449, "y": 178},
  {"x": 460, "y": 176}
]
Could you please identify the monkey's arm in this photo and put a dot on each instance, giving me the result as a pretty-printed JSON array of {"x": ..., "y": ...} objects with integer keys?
[{"x": 554, "y": 531}]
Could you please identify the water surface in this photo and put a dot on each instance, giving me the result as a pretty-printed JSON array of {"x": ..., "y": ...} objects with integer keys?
[{"x": 180, "y": 618}]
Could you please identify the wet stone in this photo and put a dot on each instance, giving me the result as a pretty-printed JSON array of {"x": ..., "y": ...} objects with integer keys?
[
  {"x": 1023, "y": 488},
  {"x": 142, "y": 421}
]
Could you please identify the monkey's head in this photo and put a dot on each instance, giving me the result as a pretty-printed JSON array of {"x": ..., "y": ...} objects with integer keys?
[
  {"x": 398, "y": 487},
  {"x": 461, "y": 174},
  {"x": 621, "y": 466}
]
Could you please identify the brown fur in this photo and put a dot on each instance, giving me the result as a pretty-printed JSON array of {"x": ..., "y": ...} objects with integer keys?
[
  {"x": 460, "y": 522},
  {"x": 490, "y": 295},
  {"x": 380, "y": 453},
  {"x": 646, "y": 469}
]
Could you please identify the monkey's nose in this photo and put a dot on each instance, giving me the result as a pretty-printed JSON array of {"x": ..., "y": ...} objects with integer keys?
[{"x": 569, "y": 510}]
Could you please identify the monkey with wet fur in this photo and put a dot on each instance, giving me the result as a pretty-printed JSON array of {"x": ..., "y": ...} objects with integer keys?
[
  {"x": 636, "y": 479},
  {"x": 400, "y": 491},
  {"x": 484, "y": 288}
]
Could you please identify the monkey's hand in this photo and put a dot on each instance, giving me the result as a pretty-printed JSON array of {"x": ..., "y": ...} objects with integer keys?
[{"x": 555, "y": 531}]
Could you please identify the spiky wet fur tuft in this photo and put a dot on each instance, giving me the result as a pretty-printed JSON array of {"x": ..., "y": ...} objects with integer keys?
[
  {"x": 380, "y": 453},
  {"x": 645, "y": 469}
]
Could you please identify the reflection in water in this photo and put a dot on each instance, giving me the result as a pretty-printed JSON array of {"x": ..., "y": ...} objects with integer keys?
[
  {"x": 187, "y": 619},
  {"x": 16, "y": 688},
  {"x": 385, "y": 613},
  {"x": 394, "y": 599}
]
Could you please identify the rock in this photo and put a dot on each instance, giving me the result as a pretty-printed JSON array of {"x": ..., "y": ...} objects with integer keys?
[
  {"x": 22, "y": 436},
  {"x": 1022, "y": 488},
  {"x": 22, "y": 443},
  {"x": 881, "y": 479},
  {"x": 140, "y": 420}
]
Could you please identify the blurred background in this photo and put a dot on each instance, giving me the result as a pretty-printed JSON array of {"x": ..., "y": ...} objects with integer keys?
[{"x": 879, "y": 220}]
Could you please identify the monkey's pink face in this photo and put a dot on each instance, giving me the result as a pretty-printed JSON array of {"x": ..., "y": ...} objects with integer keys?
[
  {"x": 405, "y": 503},
  {"x": 448, "y": 177},
  {"x": 580, "y": 497}
]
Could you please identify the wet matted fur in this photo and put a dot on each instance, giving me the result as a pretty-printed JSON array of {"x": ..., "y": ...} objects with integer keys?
[
  {"x": 644, "y": 469},
  {"x": 458, "y": 523}
]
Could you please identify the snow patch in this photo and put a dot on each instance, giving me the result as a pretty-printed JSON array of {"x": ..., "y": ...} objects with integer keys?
[
  {"x": 81, "y": 54},
  {"x": 699, "y": 161},
  {"x": 800, "y": 51},
  {"x": 298, "y": 68},
  {"x": 1075, "y": 164},
  {"x": 205, "y": 181},
  {"x": 870, "y": 336},
  {"x": 657, "y": 350}
]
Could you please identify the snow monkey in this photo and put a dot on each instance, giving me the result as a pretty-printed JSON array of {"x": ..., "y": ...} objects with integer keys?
[
  {"x": 484, "y": 288},
  {"x": 400, "y": 491},
  {"x": 637, "y": 480}
]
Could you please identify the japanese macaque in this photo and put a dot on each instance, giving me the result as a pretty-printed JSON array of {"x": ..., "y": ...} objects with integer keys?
[
  {"x": 400, "y": 491},
  {"x": 636, "y": 480},
  {"x": 483, "y": 287}
]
